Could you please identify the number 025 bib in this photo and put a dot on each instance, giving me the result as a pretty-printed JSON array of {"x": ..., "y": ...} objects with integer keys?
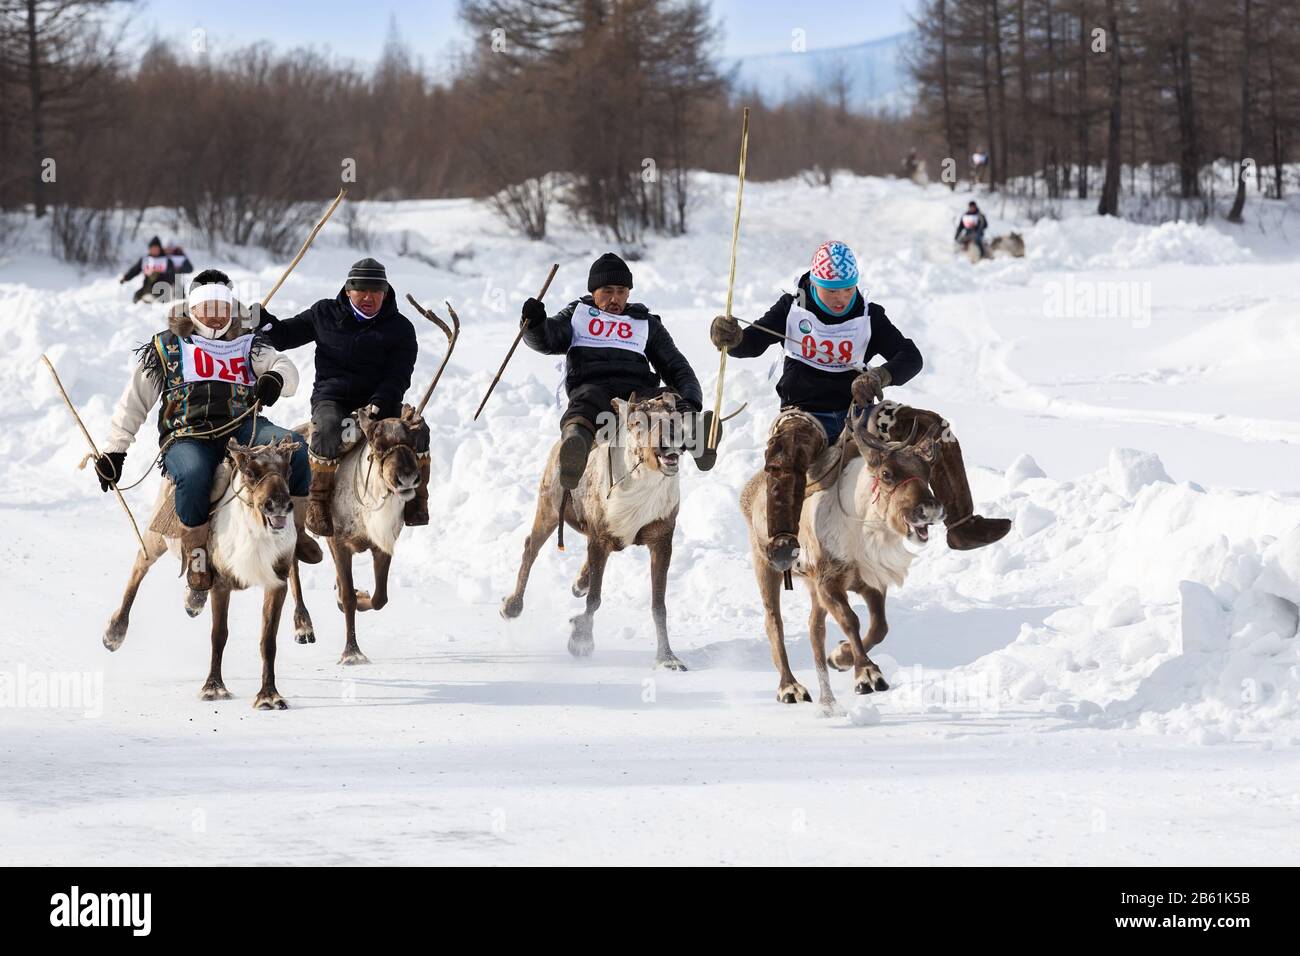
[
  {"x": 832, "y": 348},
  {"x": 215, "y": 360},
  {"x": 594, "y": 329}
]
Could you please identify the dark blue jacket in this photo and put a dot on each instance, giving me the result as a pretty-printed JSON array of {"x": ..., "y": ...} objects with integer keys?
[{"x": 358, "y": 362}]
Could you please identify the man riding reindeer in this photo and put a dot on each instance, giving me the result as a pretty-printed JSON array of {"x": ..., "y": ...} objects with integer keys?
[
  {"x": 830, "y": 331},
  {"x": 365, "y": 354},
  {"x": 208, "y": 372},
  {"x": 612, "y": 349}
]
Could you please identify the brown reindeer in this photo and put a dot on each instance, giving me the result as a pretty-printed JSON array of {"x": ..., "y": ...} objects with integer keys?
[
  {"x": 251, "y": 544},
  {"x": 374, "y": 481},
  {"x": 854, "y": 536},
  {"x": 629, "y": 494}
]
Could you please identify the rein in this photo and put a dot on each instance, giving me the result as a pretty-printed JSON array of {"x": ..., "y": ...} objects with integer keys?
[{"x": 361, "y": 485}]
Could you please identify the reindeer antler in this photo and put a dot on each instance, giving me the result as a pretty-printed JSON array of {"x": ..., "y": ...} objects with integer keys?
[{"x": 447, "y": 330}]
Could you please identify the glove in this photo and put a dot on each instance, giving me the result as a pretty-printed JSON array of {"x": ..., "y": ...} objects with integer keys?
[
  {"x": 268, "y": 387},
  {"x": 725, "y": 333},
  {"x": 533, "y": 315},
  {"x": 868, "y": 388},
  {"x": 108, "y": 469}
]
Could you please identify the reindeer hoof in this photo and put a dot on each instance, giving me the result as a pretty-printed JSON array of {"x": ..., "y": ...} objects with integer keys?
[
  {"x": 670, "y": 663},
  {"x": 353, "y": 657},
  {"x": 114, "y": 635},
  {"x": 829, "y": 708},
  {"x": 580, "y": 587},
  {"x": 841, "y": 659},
  {"x": 304, "y": 635},
  {"x": 581, "y": 645},
  {"x": 271, "y": 701},
  {"x": 863, "y": 686},
  {"x": 511, "y": 607},
  {"x": 215, "y": 691},
  {"x": 195, "y": 601},
  {"x": 793, "y": 693}
]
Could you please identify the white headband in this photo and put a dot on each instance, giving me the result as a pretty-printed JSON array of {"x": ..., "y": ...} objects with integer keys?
[{"x": 212, "y": 292}]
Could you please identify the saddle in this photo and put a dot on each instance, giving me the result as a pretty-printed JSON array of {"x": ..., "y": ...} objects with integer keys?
[
  {"x": 165, "y": 522},
  {"x": 827, "y": 467}
]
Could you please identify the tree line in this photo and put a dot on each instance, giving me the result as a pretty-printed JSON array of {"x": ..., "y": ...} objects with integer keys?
[{"x": 1053, "y": 89}]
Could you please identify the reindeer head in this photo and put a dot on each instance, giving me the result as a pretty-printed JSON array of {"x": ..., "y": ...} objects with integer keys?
[
  {"x": 899, "y": 471},
  {"x": 392, "y": 450},
  {"x": 265, "y": 471},
  {"x": 654, "y": 430}
]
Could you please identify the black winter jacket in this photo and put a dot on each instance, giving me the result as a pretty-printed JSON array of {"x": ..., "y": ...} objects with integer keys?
[
  {"x": 620, "y": 371},
  {"x": 961, "y": 227},
  {"x": 358, "y": 362},
  {"x": 822, "y": 390}
]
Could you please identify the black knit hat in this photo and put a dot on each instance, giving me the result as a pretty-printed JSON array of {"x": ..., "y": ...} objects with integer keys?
[
  {"x": 367, "y": 274},
  {"x": 609, "y": 269}
]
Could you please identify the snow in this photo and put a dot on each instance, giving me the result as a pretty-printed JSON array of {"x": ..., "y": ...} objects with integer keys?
[{"x": 1117, "y": 681}]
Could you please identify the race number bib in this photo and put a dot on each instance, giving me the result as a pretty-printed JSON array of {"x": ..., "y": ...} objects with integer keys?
[
  {"x": 834, "y": 348},
  {"x": 153, "y": 265},
  {"x": 970, "y": 222},
  {"x": 214, "y": 360},
  {"x": 594, "y": 329}
]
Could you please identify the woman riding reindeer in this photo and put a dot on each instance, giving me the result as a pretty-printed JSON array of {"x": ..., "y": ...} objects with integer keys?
[{"x": 830, "y": 331}]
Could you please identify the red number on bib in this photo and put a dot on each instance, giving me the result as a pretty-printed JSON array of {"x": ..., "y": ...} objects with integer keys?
[
  {"x": 809, "y": 346},
  {"x": 625, "y": 330},
  {"x": 203, "y": 363},
  {"x": 846, "y": 352},
  {"x": 596, "y": 326},
  {"x": 237, "y": 369}
]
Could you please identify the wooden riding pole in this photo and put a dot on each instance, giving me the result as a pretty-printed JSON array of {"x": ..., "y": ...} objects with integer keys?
[
  {"x": 731, "y": 277},
  {"x": 518, "y": 338},
  {"x": 95, "y": 451},
  {"x": 303, "y": 251}
]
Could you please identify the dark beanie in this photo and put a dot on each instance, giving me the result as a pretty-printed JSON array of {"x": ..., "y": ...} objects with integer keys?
[
  {"x": 155, "y": 241},
  {"x": 609, "y": 269},
  {"x": 367, "y": 274}
]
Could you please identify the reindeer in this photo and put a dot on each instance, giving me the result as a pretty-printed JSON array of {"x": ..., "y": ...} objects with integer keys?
[
  {"x": 1012, "y": 244},
  {"x": 375, "y": 479},
  {"x": 629, "y": 494},
  {"x": 251, "y": 544},
  {"x": 863, "y": 544}
]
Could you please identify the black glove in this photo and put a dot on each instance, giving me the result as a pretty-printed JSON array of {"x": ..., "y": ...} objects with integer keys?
[
  {"x": 705, "y": 457},
  {"x": 533, "y": 315},
  {"x": 268, "y": 387},
  {"x": 108, "y": 469}
]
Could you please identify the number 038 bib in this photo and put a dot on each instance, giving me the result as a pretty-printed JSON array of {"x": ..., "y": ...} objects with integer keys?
[
  {"x": 833, "y": 348},
  {"x": 594, "y": 329},
  {"x": 215, "y": 360}
]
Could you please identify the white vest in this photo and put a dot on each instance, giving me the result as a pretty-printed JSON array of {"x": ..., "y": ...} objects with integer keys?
[
  {"x": 831, "y": 348},
  {"x": 970, "y": 220},
  {"x": 209, "y": 360},
  {"x": 594, "y": 329}
]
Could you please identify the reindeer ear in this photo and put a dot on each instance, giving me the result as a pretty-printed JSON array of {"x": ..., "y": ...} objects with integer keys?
[
  {"x": 924, "y": 449},
  {"x": 238, "y": 452},
  {"x": 365, "y": 420},
  {"x": 621, "y": 407},
  {"x": 631, "y": 399},
  {"x": 671, "y": 399}
]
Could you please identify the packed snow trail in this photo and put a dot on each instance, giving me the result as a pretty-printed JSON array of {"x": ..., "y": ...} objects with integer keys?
[{"x": 1052, "y": 694}]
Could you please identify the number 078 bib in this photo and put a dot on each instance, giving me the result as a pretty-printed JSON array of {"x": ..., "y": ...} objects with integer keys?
[
  {"x": 594, "y": 329},
  {"x": 832, "y": 348}
]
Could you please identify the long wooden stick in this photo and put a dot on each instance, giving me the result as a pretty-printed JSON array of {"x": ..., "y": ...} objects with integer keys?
[
  {"x": 303, "y": 251},
  {"x": 731, "y": 277},
  {"x": 541, "y": 295},
  {"x": 95, "y": 450},
  {"x": 452, "y": 336}
]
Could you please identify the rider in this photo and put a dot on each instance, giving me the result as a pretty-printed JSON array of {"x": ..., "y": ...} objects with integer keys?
[
  {"x": 208, "y": 371},
  {"x": 157, "y": 267},
  {"x": 830, "y": 332},
  {"x": 601, "y": 367},
  {"x": 971, "y": 227},
  {"x": 365, "y": 354}
]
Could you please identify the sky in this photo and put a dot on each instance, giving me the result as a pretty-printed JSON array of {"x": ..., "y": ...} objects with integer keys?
[{"x": 431, "y": 28}]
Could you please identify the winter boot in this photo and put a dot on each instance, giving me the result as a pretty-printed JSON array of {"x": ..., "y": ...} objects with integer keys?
[
  {"x": 307, "y": 551},
  {"x": 795, "y": 441},
  {"x": 576, "y": 439},
  {"x": 966, "y": 530},
  {"x": 416, "y": 512},
  {"x": 198, "y": 568},
  {"x": 705, "y": 457},
  {"x": 320, "y": 520}
]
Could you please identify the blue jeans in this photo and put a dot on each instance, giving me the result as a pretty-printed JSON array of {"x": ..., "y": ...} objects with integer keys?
[
  {"x": 191, "y": 463},
  {"x": 832, "y": 423}
]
